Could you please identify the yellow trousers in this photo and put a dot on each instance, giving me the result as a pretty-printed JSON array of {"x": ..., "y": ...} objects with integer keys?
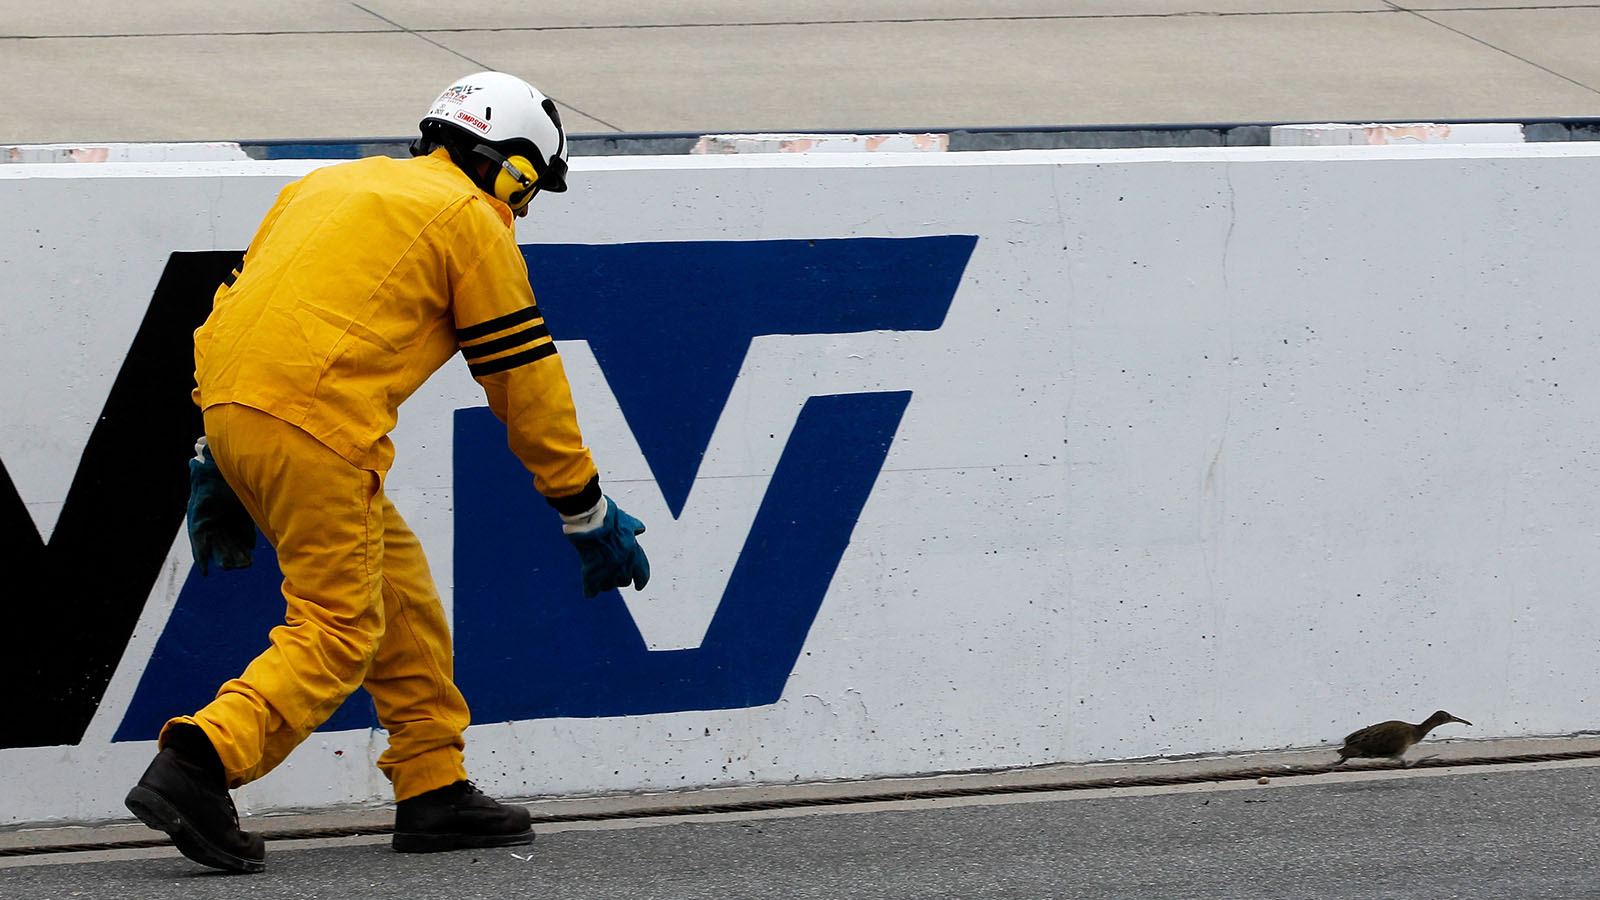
[{"x": 362, "y": 611}]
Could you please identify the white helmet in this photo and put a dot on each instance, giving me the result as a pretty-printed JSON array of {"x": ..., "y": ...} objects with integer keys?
[{"x": 509, "y": 122}]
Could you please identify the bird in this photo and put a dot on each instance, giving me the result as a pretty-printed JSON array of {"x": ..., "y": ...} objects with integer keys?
[{"x": 1391, "y": 739}]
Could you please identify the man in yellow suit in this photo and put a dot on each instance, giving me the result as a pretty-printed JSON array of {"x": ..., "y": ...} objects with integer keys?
[{"x": 364, "y": 278}]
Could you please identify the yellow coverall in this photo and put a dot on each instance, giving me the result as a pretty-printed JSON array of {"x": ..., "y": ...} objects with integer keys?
[{"x": 363, "y": 279}]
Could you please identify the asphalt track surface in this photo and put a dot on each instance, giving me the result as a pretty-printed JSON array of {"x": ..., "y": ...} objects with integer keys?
[{"x": 1512, "y": 831}]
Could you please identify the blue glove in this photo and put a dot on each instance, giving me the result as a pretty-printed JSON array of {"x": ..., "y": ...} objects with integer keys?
[
  {"x": 220, "y": 528},
  {"x": 611, "y": 557}
]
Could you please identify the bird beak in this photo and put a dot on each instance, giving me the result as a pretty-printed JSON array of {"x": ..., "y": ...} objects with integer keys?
[{"x": 1462, "y": 721}]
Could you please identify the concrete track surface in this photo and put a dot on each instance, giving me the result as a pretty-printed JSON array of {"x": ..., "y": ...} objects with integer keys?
[{"x": 169, "y": 70}]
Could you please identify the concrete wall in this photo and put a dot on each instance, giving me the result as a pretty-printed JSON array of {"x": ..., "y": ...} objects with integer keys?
[{"x": 1204, "y": 450}]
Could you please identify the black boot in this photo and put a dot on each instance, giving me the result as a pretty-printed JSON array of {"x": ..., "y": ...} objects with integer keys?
[
  {"x": 457, "y": 816},
  {"x": 185, "y": 794}
]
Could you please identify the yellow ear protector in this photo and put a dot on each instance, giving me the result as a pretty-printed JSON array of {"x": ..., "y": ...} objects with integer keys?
[{"x": 516, "y": 181}]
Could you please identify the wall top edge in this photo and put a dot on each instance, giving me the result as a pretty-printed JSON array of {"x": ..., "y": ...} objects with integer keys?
[{"x": 864, "y": 160}]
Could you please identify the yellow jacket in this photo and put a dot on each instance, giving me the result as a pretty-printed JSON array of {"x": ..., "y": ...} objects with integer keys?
[{"x": 365, "y": 278}]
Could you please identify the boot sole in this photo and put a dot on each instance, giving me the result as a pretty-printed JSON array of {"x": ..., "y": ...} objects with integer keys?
[
  {"x": 437, "y": 843},
  {"x": 155, "y": 811}
]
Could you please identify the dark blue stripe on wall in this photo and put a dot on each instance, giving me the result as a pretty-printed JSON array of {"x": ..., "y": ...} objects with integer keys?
[
  {"x": 670, "y": 323},
  {"x": 266, "y": 150},
  {"x": 534, "y": 648}
]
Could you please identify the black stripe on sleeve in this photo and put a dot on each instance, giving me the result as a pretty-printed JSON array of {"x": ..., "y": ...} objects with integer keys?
[
  {"x": 511, "y": 362},
  {"x": 490, "y": 348},
  {"x": 578, "y": 503},
  {"x": 472, "y": 332}
]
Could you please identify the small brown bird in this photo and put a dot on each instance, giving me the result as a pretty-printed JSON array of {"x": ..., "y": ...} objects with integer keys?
[{"x": 1391, "y": 739}]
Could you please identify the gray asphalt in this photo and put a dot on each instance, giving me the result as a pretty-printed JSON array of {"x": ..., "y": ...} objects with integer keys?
[{"x": 1514, "y": 832}]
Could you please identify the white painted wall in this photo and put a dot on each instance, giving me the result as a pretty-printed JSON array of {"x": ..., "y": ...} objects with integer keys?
[{"x": 1217, "y": 450}]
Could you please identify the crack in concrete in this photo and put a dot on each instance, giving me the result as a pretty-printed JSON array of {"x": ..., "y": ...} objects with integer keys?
[{"x": 1420, "y": 14}]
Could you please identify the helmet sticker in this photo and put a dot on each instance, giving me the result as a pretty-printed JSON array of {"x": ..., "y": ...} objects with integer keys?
[
  {"x": 457, "y": 93},
  {"x": 472, "y": 120}
]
